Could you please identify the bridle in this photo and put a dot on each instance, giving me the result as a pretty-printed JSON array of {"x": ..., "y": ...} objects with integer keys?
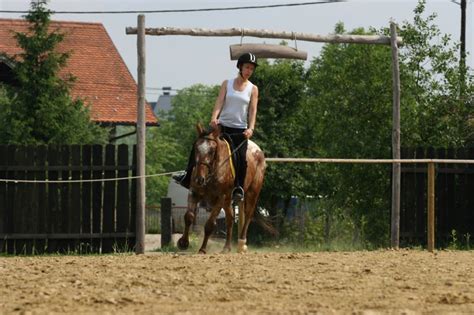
[{"x": 209, "y": 166}]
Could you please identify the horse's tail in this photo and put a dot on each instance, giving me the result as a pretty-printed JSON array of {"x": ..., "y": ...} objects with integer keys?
[{"x": 265, "y": 223}]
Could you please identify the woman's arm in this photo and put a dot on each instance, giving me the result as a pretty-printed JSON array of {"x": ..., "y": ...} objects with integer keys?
[
  {"x": 252, "y": 113},
  {"x": 218, "y": 105}
]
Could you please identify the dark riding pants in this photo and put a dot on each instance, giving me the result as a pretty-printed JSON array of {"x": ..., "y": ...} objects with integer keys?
[{"x": 238, "y": 138}]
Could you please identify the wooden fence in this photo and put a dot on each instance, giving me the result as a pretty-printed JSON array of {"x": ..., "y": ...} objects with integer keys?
[
  {"x": 80, "y": 217},
  {"x": 454, "y": 203}
]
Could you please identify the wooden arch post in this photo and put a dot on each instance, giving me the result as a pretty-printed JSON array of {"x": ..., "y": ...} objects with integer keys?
[
  {"x": 396, "y": 170},
  {"x": 141, "y": 129},
  {"x": 393, "y": 40}
]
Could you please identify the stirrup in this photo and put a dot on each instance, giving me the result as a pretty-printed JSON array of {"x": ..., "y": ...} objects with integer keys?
[
  {"x": 238, "y": 194},
  {"x": 179, "y": 177}
]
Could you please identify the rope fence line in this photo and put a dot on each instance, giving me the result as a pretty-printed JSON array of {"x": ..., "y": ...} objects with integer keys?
[
  {"x": 72, "y": 181},
  {"x": 276, "y": 160}
]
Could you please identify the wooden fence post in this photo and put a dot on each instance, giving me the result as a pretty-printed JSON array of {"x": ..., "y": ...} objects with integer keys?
[
  {"x": 431, "y": 206},
  {"x": 140, "y": 215},
  {"x": 165, "y": 222}
]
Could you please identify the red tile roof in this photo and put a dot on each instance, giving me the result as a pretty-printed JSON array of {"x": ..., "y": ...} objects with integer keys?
[{"x": 102, "y": 78}]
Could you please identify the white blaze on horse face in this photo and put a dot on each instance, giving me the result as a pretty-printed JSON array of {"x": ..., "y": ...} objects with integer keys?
[
  {"x": 203, "y": 158},
  {"x": 204, "y": 148}
]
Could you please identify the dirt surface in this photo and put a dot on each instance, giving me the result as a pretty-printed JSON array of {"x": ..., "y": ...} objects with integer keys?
[{"x": 395, "y": 282}]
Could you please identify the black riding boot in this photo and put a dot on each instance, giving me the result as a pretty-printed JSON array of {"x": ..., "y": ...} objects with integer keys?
[{"x": 185, "y": 179}]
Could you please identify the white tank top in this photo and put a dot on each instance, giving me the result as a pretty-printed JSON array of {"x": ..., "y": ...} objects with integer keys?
[{"x": 235, "y": 109}]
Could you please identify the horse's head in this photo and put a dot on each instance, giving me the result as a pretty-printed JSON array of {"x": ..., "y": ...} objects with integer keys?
[{"x": 205, "y": 155}]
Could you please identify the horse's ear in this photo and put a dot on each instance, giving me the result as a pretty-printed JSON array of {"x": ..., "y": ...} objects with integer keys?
[{"x": 199, "y": 129}]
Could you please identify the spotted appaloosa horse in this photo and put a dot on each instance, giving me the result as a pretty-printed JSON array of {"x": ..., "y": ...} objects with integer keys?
[{"x": 212, "y": 181}]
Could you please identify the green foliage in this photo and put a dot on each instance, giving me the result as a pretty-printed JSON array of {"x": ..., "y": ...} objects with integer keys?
[
  {"x": 4, "y": 97},
  {"x": 42, "y": 110},
  {"x": 441, "y": 97},
  {"x": 459, "y": 241},
  {"x": 453, "y": 244}
]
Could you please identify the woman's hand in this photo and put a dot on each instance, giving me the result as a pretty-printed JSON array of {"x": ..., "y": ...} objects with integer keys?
[
  {"x": 213, "y": 123},
  {"x": 248, "y": 133}
]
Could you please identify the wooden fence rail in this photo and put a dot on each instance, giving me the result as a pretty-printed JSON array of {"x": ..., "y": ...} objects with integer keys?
[{"x": 66, "y": 217}]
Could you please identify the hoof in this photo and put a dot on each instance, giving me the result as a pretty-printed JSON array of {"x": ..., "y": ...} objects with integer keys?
[
  {"x": 183, "y": 243},
  {"x": 202, "y": 251},
  {"x": 241, "y": 247},
  {"x": 226, "y": 250}
]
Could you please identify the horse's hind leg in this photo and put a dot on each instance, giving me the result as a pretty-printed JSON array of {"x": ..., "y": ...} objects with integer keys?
[
  {"x": 189, "y": 216},
  {"x": 209, "y": 228}
]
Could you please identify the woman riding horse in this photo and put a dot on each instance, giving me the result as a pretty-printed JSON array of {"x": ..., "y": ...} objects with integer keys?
[
  {"x": 212, "y": 182},
  {"x": 235, "y": 112},
  {"x": 234, "y": 115}
]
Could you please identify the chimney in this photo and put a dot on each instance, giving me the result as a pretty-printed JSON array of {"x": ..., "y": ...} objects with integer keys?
[{"x": 166, "y": 90}]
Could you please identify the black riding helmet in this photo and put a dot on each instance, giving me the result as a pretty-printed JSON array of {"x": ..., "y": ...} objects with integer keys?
[{"x": 247, "y": 58}]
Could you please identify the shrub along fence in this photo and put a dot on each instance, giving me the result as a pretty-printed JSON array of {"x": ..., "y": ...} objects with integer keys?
[{"x": 56, "y": 217}]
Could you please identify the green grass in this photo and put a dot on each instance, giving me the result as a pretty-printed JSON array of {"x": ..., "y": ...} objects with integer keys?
[{"x": 82, "y": 249}]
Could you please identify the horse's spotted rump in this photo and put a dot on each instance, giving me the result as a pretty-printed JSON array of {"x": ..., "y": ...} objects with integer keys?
[{"x": 253, "y": 148}]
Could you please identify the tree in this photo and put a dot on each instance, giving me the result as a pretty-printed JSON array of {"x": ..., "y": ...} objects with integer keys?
[
  {"x": 443, "y": 104},
  {"x": 349, "y": 90},
  {"x": 42, "y": 111},
  {"x": 350, "y": 109}
]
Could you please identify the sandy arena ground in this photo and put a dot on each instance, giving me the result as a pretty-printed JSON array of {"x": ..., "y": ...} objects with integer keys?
[{"x": 393, "y": 282}]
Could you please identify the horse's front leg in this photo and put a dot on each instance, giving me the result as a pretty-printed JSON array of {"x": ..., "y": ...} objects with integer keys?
[
  {"x": 229, "y": 220},
  {"x": 189, "y": 216},
  {"x": 209, "y": 227},
  {"x": 249, "y": 204}
]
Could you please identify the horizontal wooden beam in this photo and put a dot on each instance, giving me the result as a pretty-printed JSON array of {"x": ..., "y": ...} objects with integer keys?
[
  {"x": 267, "y": 51},
  {"x": 333, "y": 38}
]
